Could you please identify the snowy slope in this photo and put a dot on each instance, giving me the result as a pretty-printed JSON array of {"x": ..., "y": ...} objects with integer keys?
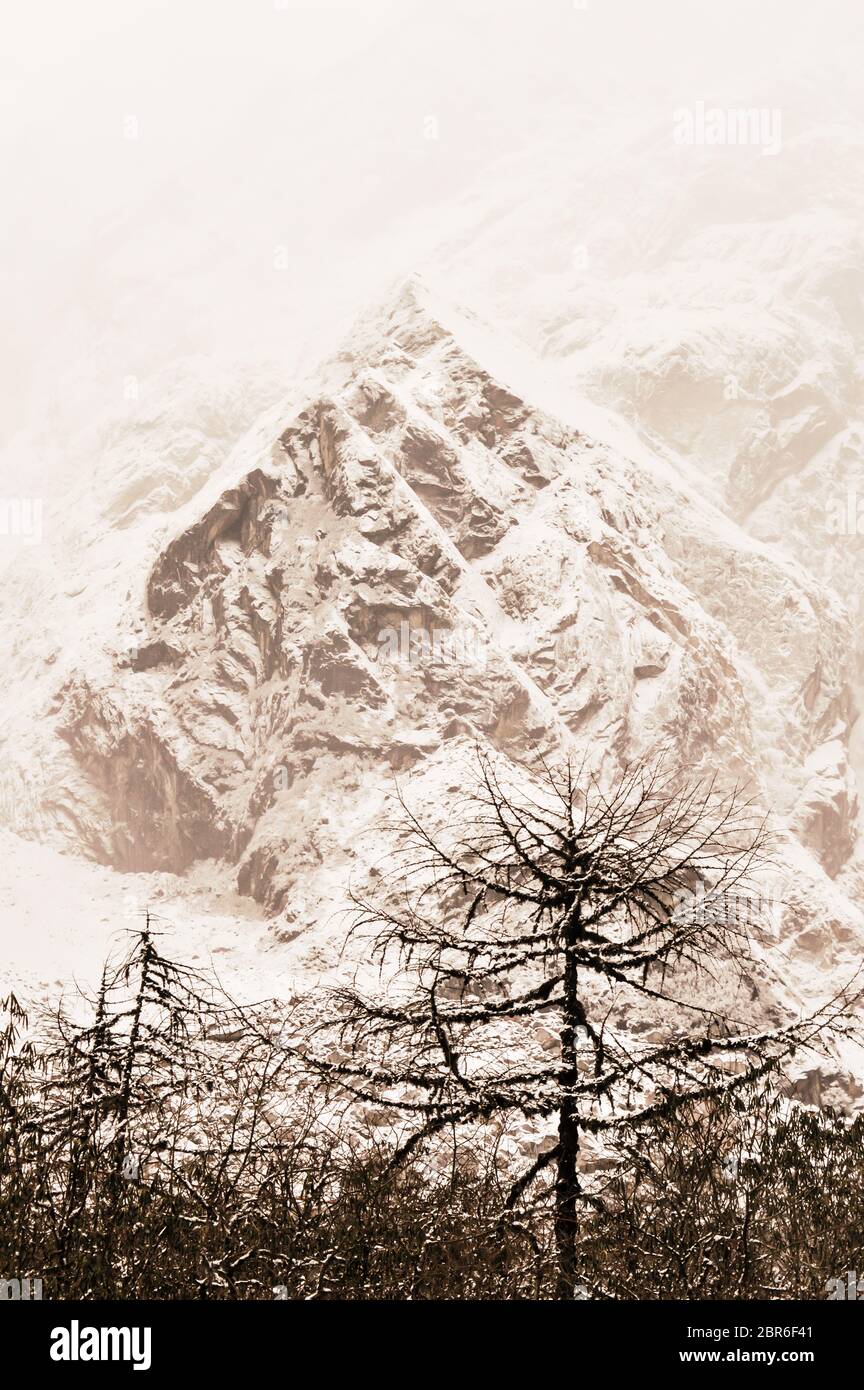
[
  {"x": 599, "y": 446},
  {"x": 238, "y": 696}
]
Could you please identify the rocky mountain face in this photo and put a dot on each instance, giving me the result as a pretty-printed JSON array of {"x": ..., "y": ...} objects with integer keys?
[
  {"x": 722, "y": 319},
  {"x": 415, "y": 558}
]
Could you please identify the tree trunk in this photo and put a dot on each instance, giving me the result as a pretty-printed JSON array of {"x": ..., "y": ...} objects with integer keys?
[{"x": 567, "y": 1179}]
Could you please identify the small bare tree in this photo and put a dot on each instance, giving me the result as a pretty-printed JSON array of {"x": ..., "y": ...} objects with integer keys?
[{"x": 543, "y": 913}]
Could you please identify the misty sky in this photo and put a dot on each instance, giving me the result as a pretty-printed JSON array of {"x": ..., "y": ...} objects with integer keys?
[{"x": 157, "y": 157}]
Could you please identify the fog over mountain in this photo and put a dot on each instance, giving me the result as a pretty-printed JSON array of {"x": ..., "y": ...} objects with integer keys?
[{"x": 385, "y": 379}]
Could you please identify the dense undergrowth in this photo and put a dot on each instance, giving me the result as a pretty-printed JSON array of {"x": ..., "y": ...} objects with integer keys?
[{"x": 165, "y": 1145}]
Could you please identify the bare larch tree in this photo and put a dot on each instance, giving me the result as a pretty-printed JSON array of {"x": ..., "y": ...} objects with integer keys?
[{"x": 543, "y": 911}]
